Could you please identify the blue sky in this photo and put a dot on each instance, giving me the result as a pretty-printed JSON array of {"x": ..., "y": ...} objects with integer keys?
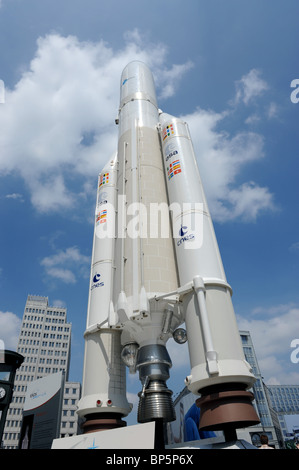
[{"x": 227, "y": 68}]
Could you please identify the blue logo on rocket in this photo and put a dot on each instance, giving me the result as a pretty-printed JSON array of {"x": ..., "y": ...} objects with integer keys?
[
  {"x": 183, "y": 230},
  {"x": 96, "y": 283},
  {"x": 183, "y": 234},
  {"x": 96, "y": 278}
]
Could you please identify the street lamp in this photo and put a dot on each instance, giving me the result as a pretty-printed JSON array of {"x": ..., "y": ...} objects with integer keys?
[{"x": 10, "y": 361}]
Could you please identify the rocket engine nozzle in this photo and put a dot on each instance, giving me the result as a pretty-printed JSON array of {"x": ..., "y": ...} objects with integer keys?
[{"x": 153, "y": 363}]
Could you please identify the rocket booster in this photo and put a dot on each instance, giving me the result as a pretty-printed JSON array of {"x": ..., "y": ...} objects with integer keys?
[
  {"x": 156, "y": 265},
  {"x": 104, "y": 374},
  {"x": 208, "y": 312}
]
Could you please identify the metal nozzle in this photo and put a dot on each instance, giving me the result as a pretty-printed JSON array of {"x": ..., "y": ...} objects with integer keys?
[
  {"x": 155, "y": 403},
  {"x": 153, "y": 363}
]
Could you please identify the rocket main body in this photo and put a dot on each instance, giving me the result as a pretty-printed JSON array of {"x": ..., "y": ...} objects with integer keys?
[{"x": 156, "y": 265}]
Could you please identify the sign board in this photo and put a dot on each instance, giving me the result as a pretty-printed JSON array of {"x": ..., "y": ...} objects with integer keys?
[
  {"x": 140, "y": 436},
  {"x": 42, "y": 412}
]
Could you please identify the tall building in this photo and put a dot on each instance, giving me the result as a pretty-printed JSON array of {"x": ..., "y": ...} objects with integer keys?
[
  {"x": 70, "y": 425},
  {"x": 45, "y": 343},
  {"x": 269, "y": 420},
  {"x": 285, "y": 401}
]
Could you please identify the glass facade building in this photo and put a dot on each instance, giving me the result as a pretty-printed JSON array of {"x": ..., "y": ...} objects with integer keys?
[
  {"x": 259, "y": 392},
  {"x": 269, "y": 420},
  {"x": 285, "y": 401}
]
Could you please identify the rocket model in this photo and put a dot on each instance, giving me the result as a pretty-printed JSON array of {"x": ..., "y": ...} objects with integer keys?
[{"x": 155, "y": 267}]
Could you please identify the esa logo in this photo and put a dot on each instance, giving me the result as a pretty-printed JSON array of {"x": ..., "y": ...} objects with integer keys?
[
  {"x": 171, "y": 154},
  {"x": 183, "y": 232},
  {"x": 96, "y": 281},
  {"x": 170, "y": 151},
  {"x": 103, "y": 198}
]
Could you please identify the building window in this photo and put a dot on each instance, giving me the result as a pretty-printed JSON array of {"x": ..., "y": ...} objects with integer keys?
[{"x": 244, "y": 339}]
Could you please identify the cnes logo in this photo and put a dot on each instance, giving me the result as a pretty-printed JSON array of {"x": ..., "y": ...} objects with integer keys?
[
  {"x": 183, "y": 233},
  {"x": 96, "y": 281}
]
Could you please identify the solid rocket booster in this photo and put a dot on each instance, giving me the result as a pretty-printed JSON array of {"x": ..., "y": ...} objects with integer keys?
[
  {"x": 104, "y": 374},
  {"x": 216, "y": 356},
  {"x": 156, "y": 265}
]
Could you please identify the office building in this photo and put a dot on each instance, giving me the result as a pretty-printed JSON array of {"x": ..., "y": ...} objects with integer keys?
[
  {"x": 45, "y": 343},
  {"x": 269, "y": 420},
  {"x": 285, "y": 401},
  {"x": 69, "y": 419}
]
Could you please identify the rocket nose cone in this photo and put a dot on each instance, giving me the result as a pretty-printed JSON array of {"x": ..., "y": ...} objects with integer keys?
[
  {"x": 135, "y": 65},
  {"x": 137, "y": 78},
  {"x": 135, "y": 69}
]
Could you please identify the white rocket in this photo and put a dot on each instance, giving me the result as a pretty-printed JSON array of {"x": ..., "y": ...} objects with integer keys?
[{"x": 156, "y": 266}]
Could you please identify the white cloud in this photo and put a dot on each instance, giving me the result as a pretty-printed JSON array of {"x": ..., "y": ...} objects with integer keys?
[
  {"x": 286, "y": 378},
  {"x": 250, "y": 86},
  {"x": 64, "y": 275},
  {"x": 247, "y": 201},
  {"x": 10, "y": 325},
  {"x": 179, "y": 355},
  {"x": 15, "y": 196},
  {"x": 220, "y": 158},
  {"x": 133, "y": 398},
  {"x": 294, "y": 248},
  {"x": 63, "y": 110},
  {"x": 168, "y": 80},
  {"x": 70, "y": 91},
  {"x": 272, "y": 334},
  {"x": 273, "y": 310},
  {"x": 272, "y": 111},
  {"x": 59, "y": 303},
  {"x": 66, "y": 265},
  {"x": 253, "y": 119}
]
